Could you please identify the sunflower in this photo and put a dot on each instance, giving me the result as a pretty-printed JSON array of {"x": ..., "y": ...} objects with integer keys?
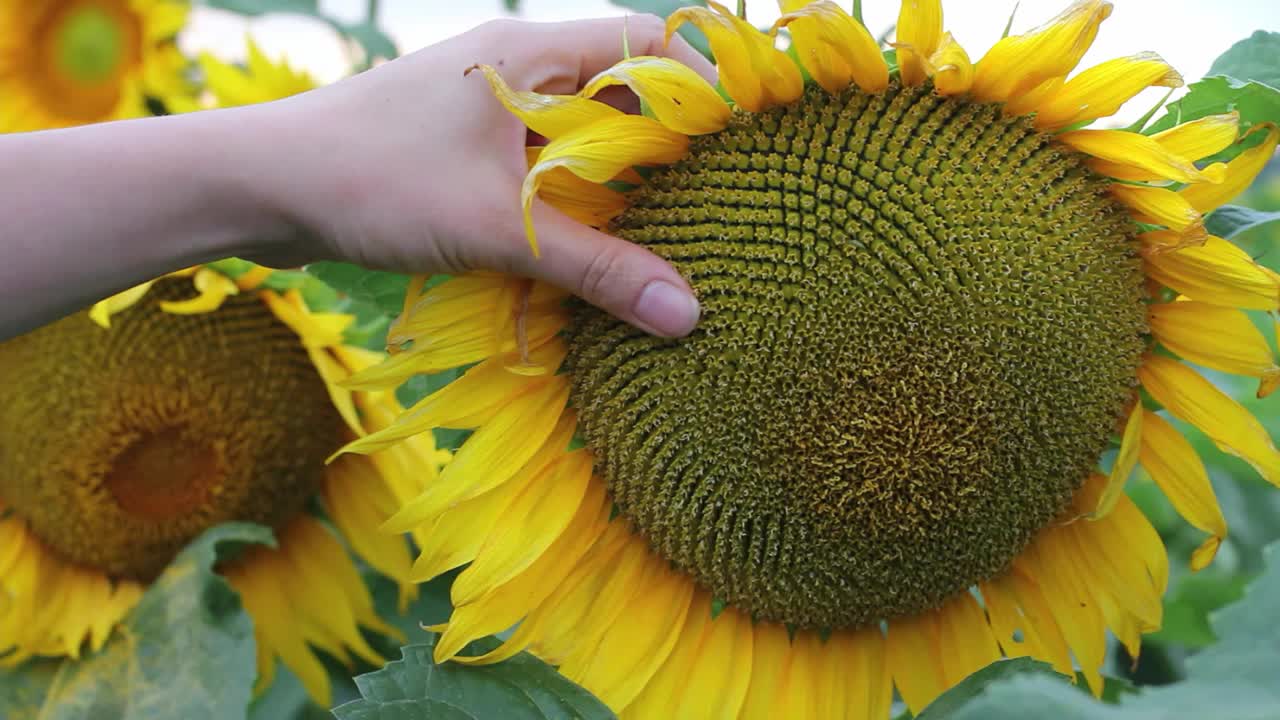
[
  {"x": 72, "y": 62},
  {"x": 935, "y": 306},
  {"x": 259, "y": 80},
  {"x": 202, "y": 403}
]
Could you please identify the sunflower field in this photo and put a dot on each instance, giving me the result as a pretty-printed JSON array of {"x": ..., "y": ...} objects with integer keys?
[{"x": 978, "y": 420}]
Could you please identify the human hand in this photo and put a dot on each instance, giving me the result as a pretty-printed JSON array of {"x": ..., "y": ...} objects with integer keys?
[{"x": 415, "y": 167}]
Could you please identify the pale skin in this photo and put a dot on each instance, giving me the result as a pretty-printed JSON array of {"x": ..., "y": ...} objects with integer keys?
[{"x": 411, "y": 167}]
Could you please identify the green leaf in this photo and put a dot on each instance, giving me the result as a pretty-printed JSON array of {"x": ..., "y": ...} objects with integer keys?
[
  {"x": 262, "y": 7},
  {"x": 663, "y": 8},
  {"x": 383, "y": 290},
  {"x": 186, "y": 651},
  {"x": 1254, "y": 101},
  {"x": 522, "y": 688},
  {"x": 1231, "y": 220},
  {"x": 972, "y": 686},
  {"x": 1234, "y": 678},
  {"x": 1257, "y": 57}
]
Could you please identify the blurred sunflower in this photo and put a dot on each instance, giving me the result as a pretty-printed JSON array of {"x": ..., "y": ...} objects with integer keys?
[
  {"x": 258, "y": 80},
  {"x": 72, "y": 62},
  {"x": 202, "y": 403},
  {"x": 930, "y": 302}
]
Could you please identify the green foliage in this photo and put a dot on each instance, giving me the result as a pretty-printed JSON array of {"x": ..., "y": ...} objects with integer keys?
[
  {"x": 382, "y": 290},
  {"x": 186, "y": 651},
  {"x": 1254, "y": 101},
  {"x": 1234, "y": 678},
  {"x": 1231, "y": 220},
  {"x": 522, "y": 688},
  {"x": 973, "y": 686},
  {"x": 663, "y": 8},
  {"x": 1257, "y": 57},
  {"x": 373, "y": 41}
]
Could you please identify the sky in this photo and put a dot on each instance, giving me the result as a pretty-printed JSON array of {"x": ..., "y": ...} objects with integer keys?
[{"x": 1189, "y": 34}]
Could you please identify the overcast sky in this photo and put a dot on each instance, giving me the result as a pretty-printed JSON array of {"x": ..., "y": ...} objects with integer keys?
[{"x": 1187, "y": 33}]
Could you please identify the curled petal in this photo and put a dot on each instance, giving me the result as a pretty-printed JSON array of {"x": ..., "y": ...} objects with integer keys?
[
  {"x": 1137, "y": 151},
  {"x": 1102, "y": 89},
  {"x": 102, "y": 311},
  {"x": 598, "y": 152},
  {"x": 548, "y": 115},
  {"x": 213, "y": 287},
  {"x": 952, "y": 69},
  {"x": 1018, "y": 64},
  {"x": 584, "y": 201},
  {"x": 679, "y": 97},
  {"x": 919, "y": 35},
  {"x": 1217, "y": 272},
  {"x": 1160, "y": 206},
  {"x": 755, "y": 73},
  {"x": 835, "y": 48},
  {"x": 1240, "y": 172}
]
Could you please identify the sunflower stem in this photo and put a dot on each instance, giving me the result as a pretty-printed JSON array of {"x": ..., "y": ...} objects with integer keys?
[
  {"x": 372, "y": 14},
  {"x": 742, "y": 9},
  {"x": 626, "y": 41},
  {"x": 857, "y": 12}
]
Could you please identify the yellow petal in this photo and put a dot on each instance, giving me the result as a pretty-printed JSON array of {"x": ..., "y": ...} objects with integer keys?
[
  {"x": 1178, "y": 470},
  {"x": 533, "y": 521},
  {"x": 213, "y": 287},
  {"x": 770, "y": 663},
  {"x": 835, "y": 48},
  {"x": 919, "y": 35},
  {"x": 1018, "y": 64},
  {"x": 1202, "y": 137},
  {"x": 964, "y": 638},
  {"x": 952, "y": 69},
  {"x": 504, "y": 606},
  {"x": 632, "y": 650},
  {"x": 1126, "y": 459},
  {"x": 706, "y": 674},
  {"x": 1022, "y": 624},
  {"x": 254, "y": 277},
  {"x": 1218, "y": 273},
  {"x": 1102, "y": 89},
  {"x": 1240, "y": 172},
  {"x": 102, "y": 311},
  {"x": 547, "y": 115},
  {"x": 495, "y": 453},
  {"x": 587, "y": 202},
  {"x": 1134, "y": 150},
  {"x": 316, "y": 330},
  {"x": 1194, "y": 399},
  {"x": 600, "y": 151},
  {"x": 1160, "y": 206},
  {"x": 755, "y": 73},
  {"x": 915, "y": 660},
  {"x": 678, "y": 97},
  {"x": 1216, "y": 337},
  {"x": 1050, "y": 560}
]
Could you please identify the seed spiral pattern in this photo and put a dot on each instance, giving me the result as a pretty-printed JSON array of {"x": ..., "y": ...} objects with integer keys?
[
  {"x": 120, "y": 446},
  {"x": 921, "y": 323}
]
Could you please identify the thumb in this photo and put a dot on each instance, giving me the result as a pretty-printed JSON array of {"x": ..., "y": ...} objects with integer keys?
[{"x": 622, "y": 278}]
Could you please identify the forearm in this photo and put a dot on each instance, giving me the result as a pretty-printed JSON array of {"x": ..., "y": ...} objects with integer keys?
[{"x": 91, "y": 211}]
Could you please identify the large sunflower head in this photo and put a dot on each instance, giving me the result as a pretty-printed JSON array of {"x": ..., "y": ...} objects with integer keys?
[
  {"x": 205, "y": 400},
  {"x": 934, "y": 308},
  {"x": 72, "y": 62}
]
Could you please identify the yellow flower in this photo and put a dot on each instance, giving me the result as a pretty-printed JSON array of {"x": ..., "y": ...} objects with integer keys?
[
  {"x": 72, "y": 62},
  {"x": 206, "y": 401},
  {"x": 260, "y": 80},
  {"x": 927, "y": 309}
]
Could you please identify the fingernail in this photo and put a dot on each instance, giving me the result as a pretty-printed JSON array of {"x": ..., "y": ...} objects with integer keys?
[{"x": 669, "y": 310}]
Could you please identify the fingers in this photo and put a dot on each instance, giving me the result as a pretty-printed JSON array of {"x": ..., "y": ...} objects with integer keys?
[{"x": 622, "y": 278}]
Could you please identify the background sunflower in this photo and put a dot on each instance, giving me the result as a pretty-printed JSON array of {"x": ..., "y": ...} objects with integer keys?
[{"x": 190, "y": 647}]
